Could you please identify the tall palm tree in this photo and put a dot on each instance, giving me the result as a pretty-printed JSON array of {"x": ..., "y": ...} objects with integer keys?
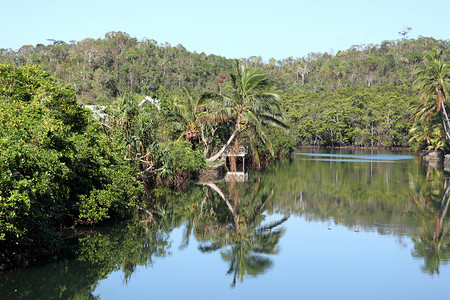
[
  {"x": 249, "y": 104},
  {"x": 240, "y": 234},
  {"x": 432, "y": 241},
  {"x": 433, "y": 82}
]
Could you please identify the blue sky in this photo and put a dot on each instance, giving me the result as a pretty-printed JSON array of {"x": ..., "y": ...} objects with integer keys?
[{"x": 231, "y": 28}]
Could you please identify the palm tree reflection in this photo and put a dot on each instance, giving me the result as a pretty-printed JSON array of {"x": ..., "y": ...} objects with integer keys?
[
  {"x": 236, "y": 228},
  {"x": 432, "y": 242}
]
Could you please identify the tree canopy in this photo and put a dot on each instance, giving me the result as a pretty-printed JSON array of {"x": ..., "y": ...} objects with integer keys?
[
  {"x": 102, "y": 71},
  {"x": 56, "y": 165}
]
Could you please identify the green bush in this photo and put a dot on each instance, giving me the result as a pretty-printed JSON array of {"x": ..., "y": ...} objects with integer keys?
[
  {"x": 56, "y": 165},
  {"x": 184, "y": 159},
  {"x": 283, "y": 144}
]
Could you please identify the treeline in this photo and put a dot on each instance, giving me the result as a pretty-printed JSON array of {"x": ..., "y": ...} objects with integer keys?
[
  {"x": 354, "y": 116},
  {"x": 102, "y": 69},
  {"x": 388, "y": 63},
  {"x": 357, "y": 97}
]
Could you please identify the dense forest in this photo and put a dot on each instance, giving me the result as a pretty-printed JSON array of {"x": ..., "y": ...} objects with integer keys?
[
  {"x": 104, "y": 70},
  {"x": 164, "y": 113}
]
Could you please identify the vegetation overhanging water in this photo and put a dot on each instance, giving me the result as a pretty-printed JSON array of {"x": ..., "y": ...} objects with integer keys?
[
  {"x": 63, "y": 166},
  {"x": 349, "y": 225}
]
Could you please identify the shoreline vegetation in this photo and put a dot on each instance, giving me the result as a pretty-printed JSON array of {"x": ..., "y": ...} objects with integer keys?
[{"x": 96, "y": 129}]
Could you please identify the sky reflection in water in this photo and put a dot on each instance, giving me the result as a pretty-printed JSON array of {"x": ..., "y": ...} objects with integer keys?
[
  {"x": 349, "y": 236},
  {"x": 314, "y": 262},
  {"x": 356, "y": 158},
  {"x": 345, "y": 231}
]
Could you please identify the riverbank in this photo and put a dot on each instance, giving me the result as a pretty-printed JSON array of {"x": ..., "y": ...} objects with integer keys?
[{"x": 197, "y": 234}]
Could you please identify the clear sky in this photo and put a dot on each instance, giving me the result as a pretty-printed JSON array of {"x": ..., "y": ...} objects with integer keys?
[{"x": 231, "y": 28}]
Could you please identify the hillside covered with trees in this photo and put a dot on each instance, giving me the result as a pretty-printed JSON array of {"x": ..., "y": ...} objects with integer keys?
[
  {"x": 64, "y": 165},
  {"x": 103, "y": 71}
]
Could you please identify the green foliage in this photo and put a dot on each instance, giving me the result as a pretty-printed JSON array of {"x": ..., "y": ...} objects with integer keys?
[
  {"x": 184, "y": 159},
  {"x": 57, "y": 168},
  {"x": 248, "y": 103},
  {"x": 283, "y": 144},
  {"x": 114, "y": 200},
  {"x": 423, "y": 132},
  {"x": 433, "y": 85},
  {"x": 189, "y": 109},
  {"x": 351, "y": 117},
  {"x": 436, "y": 144},
  {"x": 372, "y": 65},
  {"x": 104, "y": 70}
]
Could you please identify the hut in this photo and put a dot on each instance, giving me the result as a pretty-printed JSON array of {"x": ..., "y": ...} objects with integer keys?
[{"x": 235, "y": 163}]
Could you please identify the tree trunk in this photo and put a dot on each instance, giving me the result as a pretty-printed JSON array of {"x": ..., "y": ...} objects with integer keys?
[
  {"x": 440, "y": 102},
  {"x": 222, "y": 195},
  {"x": 445, "y": 122},
  {"x": 205, "y": 152},
  {"x": 444, "y": 208},
  {"x": 218, "y": 154}
]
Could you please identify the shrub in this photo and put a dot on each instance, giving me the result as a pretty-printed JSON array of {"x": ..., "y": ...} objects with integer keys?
[{"x": 56, "y": 165}]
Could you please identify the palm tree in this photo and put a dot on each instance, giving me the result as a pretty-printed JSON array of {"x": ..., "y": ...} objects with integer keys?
[
  {"x": 423, "y": 133},
  {"x": 433, "y": 237},
  {"x": 237, "y": 229},
  {"x": 189, "y": 108},
  {"x": 433, "y": 82},
  {"x": 193, "y": 112},
  {"x": 249, "y": 104}
]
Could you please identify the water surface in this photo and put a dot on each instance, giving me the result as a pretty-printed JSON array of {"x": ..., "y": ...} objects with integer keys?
[{"x": 341, "y": 224}]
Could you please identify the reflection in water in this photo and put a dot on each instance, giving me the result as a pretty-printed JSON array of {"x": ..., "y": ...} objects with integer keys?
[
  {"x": 239, "y": 231},
  {"x": 370, "y": 196},
  {"x": 375, "y": 157},
  {"x": 238, "y": 221},
  {"x": 355, "y": 158},
  {"x": 432, "y": 241},
  {"x": 76, "y": 274},
  {"x": 100, "y": 251}
]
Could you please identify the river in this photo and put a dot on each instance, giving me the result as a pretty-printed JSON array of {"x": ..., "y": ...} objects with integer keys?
[{"x": 341, "y": 224}]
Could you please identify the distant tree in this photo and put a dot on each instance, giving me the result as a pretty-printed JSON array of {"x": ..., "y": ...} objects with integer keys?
[{"x": 404, "y": 32}]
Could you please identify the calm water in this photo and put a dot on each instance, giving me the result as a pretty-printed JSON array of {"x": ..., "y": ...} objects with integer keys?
[{"x": 337, "y": 225}]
